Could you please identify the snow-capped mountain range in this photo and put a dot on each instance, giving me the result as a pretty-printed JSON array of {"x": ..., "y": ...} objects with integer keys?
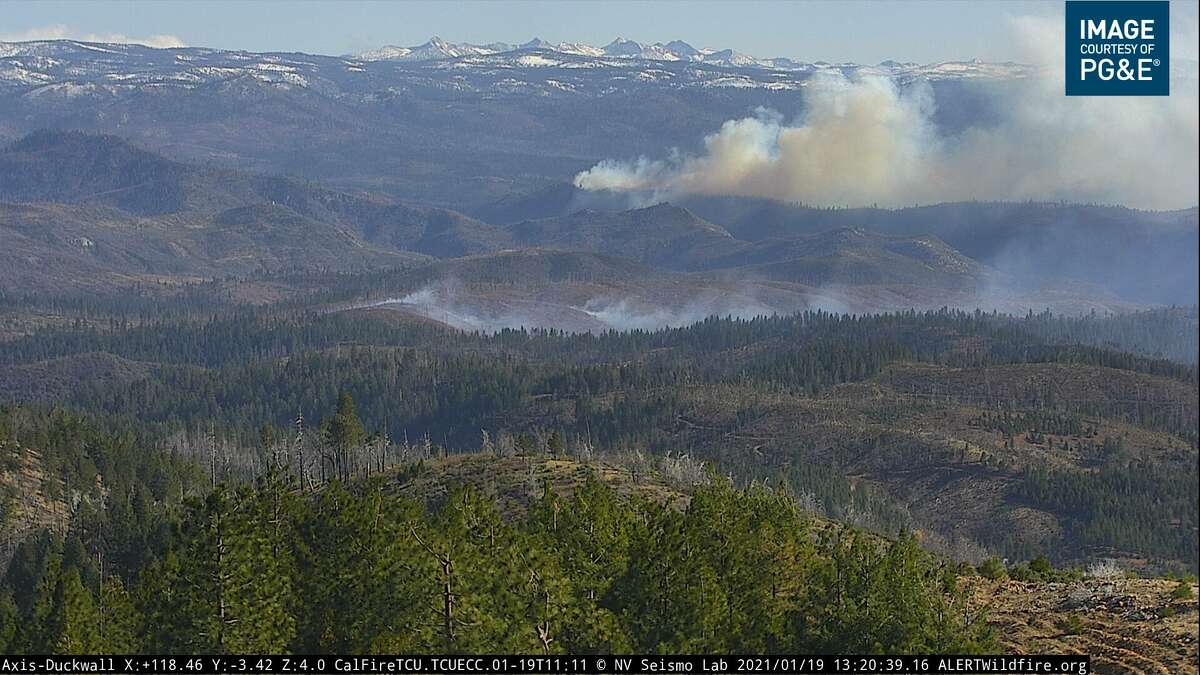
[
  {"x": 676, "y": 50},
  {"x": 438, "y": 123},
  {"x": 437, "y": 48},
  {"x": 70, "y": 67}
]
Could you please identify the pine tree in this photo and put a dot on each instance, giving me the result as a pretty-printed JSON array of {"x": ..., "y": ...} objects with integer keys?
[
  {"x": 10, "y": 620},
  {"x": 261, "y": 574},
  {"x": 669, "y": 595},
  {"x": 35, "y": 635},
  {"x": 120, "y": 622},
  {"x": 73, "y": 625},
  {"x": 209, "y": 577},
  {"x": 591, "y": 533},
  {"x": 345, "y": 434},
  {"x": 367, "y": 585},
  {"x": 161, "y": 596},
  {"x": 235, "y": 574}
]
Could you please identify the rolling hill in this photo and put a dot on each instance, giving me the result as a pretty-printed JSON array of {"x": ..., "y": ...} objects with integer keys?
[
  {"x": 80, "y": 211},
  {"x": 1140, "y": 256},
  {"x": 453, "y": 129},
  {"x": 95, "y": 212}
]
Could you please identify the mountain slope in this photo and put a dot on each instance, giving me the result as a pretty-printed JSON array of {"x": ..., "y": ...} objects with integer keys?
[
  {"x": 96, "y": 211},
  {"x": 55, "y": 248},
  {"x": 852, "y": 256},
  {"x": 658, "y": 235},
  {"x": 1143, "y": 256},
  {"x": 76, "y": 168},
  {"x": 459, "y": 132},
  {"x": 675, "y": 238},
  {"x": 1086, "y": 250}
]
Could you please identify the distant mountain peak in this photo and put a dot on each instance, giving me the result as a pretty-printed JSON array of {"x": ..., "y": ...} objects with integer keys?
[
  {"x": 682, "y": 48},
  {"x": 678, "y": 50},
  {"x": 623, "y": 47},
  {"x": 62, "y": 166},
  {"x": 28, "y": 60},
  {"x": 69, "y": 141}
]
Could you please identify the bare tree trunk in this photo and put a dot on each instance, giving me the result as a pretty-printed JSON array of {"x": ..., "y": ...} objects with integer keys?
[
  {"x": 212, "y": 454},
  {"x": 447, "y": 601}
]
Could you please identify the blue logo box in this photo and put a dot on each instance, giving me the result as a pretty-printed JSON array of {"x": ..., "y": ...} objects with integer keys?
[{"x": 1118, "y": 48}]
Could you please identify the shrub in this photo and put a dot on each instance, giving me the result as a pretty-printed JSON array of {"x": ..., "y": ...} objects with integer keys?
[
  {"x": 993, "y": 569},
  {"x": 1023, "y": 574},
  {"x": 1072, "y": 625}
]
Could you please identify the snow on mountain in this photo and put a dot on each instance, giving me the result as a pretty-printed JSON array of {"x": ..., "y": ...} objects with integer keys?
[
  {"x": 434, "y": 48},
  {"x": 678, "y": 50},
  {"x": 623, "y": 47},
  {"x": 385, "y": 53},
  {"x": 683, "y": 50},
  {"x": 56, "y": 68},
  {"x": 578, "y": 49},
  {"x": 728, "y": 57}
]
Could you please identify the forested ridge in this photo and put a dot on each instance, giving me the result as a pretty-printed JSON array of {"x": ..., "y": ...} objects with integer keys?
[
  {"x": 218, "y": 381},
  {"x": 1118, "y": 507},
  {"x": 208, "y": 499},
  {"x": 240, "y": 335},
  {"x": 157, "y": 561}
]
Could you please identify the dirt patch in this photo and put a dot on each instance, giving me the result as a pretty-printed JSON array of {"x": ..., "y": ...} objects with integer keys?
[{"x": 1126, "y": 626}]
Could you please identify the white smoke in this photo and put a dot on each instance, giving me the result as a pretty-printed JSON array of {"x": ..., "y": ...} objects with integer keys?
[
  {"x": 60, "y": 31},
  {"x": 625, "y": 315},
  {"x": 442, "y": 302},
  {"x": 450, "y": 302},
  {"x": 866, "y": 141}
]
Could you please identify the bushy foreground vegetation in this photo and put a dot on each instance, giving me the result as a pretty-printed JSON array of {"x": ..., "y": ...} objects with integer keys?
[
  {"x": 273, "y": 567},
  {"x": 224, "y": 398}
]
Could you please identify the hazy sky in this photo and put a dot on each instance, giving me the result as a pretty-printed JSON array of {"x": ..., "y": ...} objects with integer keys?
[{"x": 834, "y": 31}]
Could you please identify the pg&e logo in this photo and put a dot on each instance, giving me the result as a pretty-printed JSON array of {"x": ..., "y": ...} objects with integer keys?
[{"x": 1118, "y": 48}]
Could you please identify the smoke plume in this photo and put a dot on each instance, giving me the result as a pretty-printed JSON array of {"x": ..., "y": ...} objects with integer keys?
[
  {"x": 455, "y": 304},
  {"x": 866, "y": 141}
]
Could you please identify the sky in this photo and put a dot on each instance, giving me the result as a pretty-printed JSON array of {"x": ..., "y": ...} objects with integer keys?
[{"x": 860, "y": 31}]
